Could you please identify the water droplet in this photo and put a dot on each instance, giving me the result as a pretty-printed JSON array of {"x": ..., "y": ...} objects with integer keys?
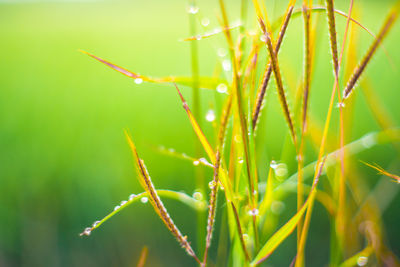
[
  {"x": 245, "y": 237},
  {"x": 196, "y": 163},
  {"x": 340, "y": 105},
  {"x": 86, "y": 232},
  {"x": 210, "y": 116},
  {"x": 192, "y": 9},
  {"x": 221, "y": 52},
  {"x": 273, "y": 164},
  {"x": 138, "y": 80},
  {"x": 131, "y": 197},
  {"x": 205, "y": 162},
  {"x": 226, "y": 65},
  {"x": 240, "y": 160},
  {"x": 222, "y": 88},
  {"x": 171, "y": 150},
  {"x": 116, "y": 208},
  {"x": 198, "y": 37},
  {"x": 144, "y": 199},
  {"x": 362, "y": 261},
  {"x": 205, "y": 21},
  {"x": 253, "y": 212},
  {"x": 95, "y": 224},
  {"x": 123, "y": 202},
  {"x": 198, "y": 195},
  {"x": 281, "y": 170},
  {"x": 212, "y": 184},
  {"x": 263, "y": 38},
  {"x": 277, "y": 207}
]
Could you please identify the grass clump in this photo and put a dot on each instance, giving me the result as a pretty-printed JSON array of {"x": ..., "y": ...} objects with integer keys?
[{"x": 249, "y": 199}]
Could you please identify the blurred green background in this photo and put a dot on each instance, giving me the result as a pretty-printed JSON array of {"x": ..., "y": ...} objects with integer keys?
[{"x": 64, "y": 161}]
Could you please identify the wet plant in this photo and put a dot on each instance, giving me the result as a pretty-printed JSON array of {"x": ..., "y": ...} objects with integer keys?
[{"x": 253, "y": 193}]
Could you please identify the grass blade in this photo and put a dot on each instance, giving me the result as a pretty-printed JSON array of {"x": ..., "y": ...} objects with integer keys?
[
  {"x": 156, "y": 202},
  {"x": 279, "y": 84},
  {"x": 289, "y": 227},
  {"x": 371, "y": 51},
  {"x": 381, "y": 171},
  {"x": 179, "y": 196},
  {"x": 268, "y": 71},
  {"x": 202, "y": 82},
  {"x": 143, "y": 257}
]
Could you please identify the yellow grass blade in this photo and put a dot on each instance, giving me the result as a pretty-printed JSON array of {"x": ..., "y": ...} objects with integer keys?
[
  {"x": 143, "y": 257},
  {"x": 289, "y": 227},
  {"x": 383, "y": 171}
]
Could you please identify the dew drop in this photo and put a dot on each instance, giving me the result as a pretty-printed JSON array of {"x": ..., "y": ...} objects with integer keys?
[
  {"x": 210, "y": 116},
  {"x": 245, "y": 237},
  {"x": 131, "y": 197},
  {"x": 212, "y": 184},
  {"x": 263, "y": 38},
  {"x": 116, "y": 208},
  {"x": 226, "y": 65},
  {"x": 198, "y": 195},
  {"x": 253, "y": 212},
  {"x": 205, "y": 162},
  {"x": 138, "y": 80},
  {"x": 144, "y": 199},
  {"x": 340, "y": 105},
  {"x": 196, "y": 163},
  {"x": 192, "y": 9},
  {"x": 123, "y": 202},
  {"x": 205, "y": 21},
  {"x": 86, "y": 232},
  {"x": 273, "y": 164},
  {"x": 240, "y": 160},
  {"x": 221, "y": 52},
  {"x": 171, "y": 150},
  {"x": 95, "y": 224},
  {"x": 362, "y": 261},
  {"x": 222, "y": 88}
]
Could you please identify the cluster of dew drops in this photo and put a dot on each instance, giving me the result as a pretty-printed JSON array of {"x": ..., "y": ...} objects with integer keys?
[{"x": 88, "y": 230}]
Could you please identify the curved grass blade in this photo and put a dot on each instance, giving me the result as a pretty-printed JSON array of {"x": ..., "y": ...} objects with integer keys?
[
  {"x": 298, "y": 12},
  {"x": 212, "y": 33},
  {"x": 179, "y": 196},
  {"x": 184, "y": 156},
  {"x": 203, "y": 82}
]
